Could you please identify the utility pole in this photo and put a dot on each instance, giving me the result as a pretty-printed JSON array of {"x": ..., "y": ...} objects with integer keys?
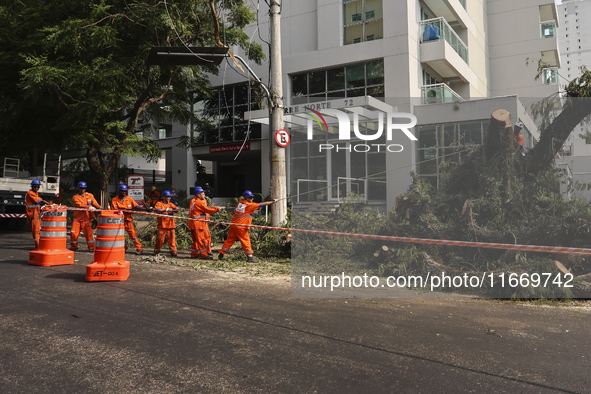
[{"x": 277, "y": 159}]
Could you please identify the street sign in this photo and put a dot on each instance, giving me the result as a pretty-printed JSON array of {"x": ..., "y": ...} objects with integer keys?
[
  {"x": 135, "y": 188},
  {"x": 282, "y": 138}
]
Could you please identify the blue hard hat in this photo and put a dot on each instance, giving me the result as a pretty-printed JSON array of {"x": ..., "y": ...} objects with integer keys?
[
  {"x": 82, "y": 185},
  {"x": 122, "y": 187},
  {"x": 35, "y": 182},
  {"x": 198, "y": 189},
  {"x": 247, "y": 193},
  {"x": 166, "y": 193}
]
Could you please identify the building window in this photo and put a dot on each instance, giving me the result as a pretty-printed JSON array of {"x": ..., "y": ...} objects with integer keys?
[
  {"x": 361, "y": 79},
  {"x": 324, "y": 175},
  {"x": 164, "y": 131},
  {"x": 428, "y": 79},
  {"x": 221, "y": 115},
  {"x": 363, "y": 20},
  {"x": 438, "y": 144},
  {"x": 548, "y": 29},
  {"x": 550, "y": 76}
]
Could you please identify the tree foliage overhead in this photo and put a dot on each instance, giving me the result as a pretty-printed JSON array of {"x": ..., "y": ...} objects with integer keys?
[{"x": 75, "y": 71}]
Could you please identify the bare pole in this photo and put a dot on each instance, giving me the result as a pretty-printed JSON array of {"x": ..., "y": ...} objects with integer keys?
[{"x": 277, "y": 159}]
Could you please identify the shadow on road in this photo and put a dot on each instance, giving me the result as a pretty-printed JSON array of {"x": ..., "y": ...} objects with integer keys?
[{"x": 68, "y": 276}]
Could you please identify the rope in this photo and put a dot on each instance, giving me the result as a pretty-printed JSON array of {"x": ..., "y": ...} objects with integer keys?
[{"x": 488, "y": 245}]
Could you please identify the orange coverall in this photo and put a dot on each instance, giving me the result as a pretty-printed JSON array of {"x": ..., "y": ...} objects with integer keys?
[
  {"x": 154, "y": 197},
  {"x": 82, "y": 220},
  {"x": 128, "y": 203},
  {"x": 200, "y": 230},
  {"x": 166, "y": 227},
  {"x": 243, "y": 214},
  {"x": 32, "y": 201}
]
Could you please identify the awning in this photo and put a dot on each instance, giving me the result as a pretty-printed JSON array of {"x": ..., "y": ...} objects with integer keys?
[{"x": 366, "y": 107}]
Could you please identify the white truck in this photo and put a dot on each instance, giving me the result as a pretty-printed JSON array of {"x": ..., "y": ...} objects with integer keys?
[{"x": 14, "y": 185}]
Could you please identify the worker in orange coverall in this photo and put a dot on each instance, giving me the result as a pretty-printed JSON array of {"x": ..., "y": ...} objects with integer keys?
[
  {"x": 123, "y": 202},
  {"x": 243, "y": 214},
  {"x": 166, "y": 226},
  {"x": 33, "y": 205},
  {"x": 154, "y": 197},
  {"x": 199, "y": 228},
  {"x": 82, "y": 218}
]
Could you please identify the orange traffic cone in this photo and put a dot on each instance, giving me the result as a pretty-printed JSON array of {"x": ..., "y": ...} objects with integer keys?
[
  {"x": 109, "y": 250},
  {"x": 53, "y": 239}
]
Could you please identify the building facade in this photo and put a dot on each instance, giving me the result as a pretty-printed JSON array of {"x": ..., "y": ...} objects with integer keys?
[
  {"x": 450, "y": 63},
  {"x": 574, "y": 38}
]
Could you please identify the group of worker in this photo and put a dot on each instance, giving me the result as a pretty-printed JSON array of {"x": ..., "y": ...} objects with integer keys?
[{"x": 199, "y": 213}]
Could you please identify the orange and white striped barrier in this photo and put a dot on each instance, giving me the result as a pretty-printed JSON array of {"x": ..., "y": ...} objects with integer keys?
[
  {"x": 471, "y": 244},
  {"x": 53, "y": 238},
  {"x": 109, "y": 250},
  {"x": 13, "y": 215}
]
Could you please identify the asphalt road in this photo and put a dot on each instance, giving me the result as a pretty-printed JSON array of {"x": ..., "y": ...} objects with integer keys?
[{"x": 171, "y": 329}]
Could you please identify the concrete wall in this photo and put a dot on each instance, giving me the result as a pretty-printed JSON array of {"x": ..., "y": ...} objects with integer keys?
[{"x": 515, "y": 47}]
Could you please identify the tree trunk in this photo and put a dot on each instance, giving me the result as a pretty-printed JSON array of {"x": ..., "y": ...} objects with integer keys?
[
  {"x": 33, "y": 162},
  {"x": 498, "y": 147},
  {"x": 553, "y": 137},
  {"x": 101, "y": 168}
]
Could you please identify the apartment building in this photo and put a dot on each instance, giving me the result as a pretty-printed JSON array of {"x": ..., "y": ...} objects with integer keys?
[
  {"x": 449, "y": 63},
  {"x": 574, "y": 40}
]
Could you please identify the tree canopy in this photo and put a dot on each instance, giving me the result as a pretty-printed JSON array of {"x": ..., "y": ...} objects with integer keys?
[{"x": 74, "y": 72}]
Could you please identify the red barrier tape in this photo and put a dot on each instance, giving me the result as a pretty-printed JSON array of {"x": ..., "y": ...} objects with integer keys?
[{"x": 488, "y": 245}]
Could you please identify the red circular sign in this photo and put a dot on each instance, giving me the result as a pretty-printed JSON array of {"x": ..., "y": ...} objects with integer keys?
[{"x": 282, "y": 138}]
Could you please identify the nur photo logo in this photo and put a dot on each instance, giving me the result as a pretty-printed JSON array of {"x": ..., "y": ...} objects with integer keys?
[{"x": 395, "y": 123}]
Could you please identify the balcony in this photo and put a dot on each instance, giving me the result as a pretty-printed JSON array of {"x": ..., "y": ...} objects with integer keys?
[
  {"x": 444, "y": 51},
  {"x": 550, "y": 76},
  {"x": 454, "y": 11},
  {"x": 438, "y": 93},
  {"x": 438, "y": 28},
  {"x": 548, "y": 29},
  {"x": 549, "y": 12}
]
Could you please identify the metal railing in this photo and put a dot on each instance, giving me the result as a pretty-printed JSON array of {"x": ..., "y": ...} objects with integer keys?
[
  {"x": 438, "y": 93},
  {"x": 438, "y": 28},
  {"x": 338, "y": 185},
  {"x": 11, "y": 167}
]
